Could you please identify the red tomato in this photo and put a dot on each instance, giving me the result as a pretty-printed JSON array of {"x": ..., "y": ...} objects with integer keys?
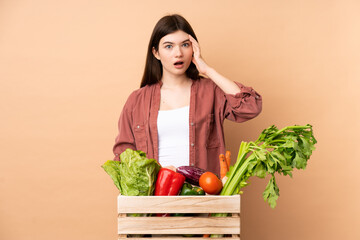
[{"x": 210, "y": 183}]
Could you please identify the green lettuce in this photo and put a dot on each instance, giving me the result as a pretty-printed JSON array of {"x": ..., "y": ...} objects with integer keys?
[
  {"x": 113, "y": 169},
  {"x": 134, "y": 175}
]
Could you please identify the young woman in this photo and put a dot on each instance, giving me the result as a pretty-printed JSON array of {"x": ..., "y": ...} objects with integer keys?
[{"x": 177, "y": 115}]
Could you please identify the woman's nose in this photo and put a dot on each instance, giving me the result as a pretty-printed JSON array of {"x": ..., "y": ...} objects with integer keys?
[{"x": 178, "y": 52}]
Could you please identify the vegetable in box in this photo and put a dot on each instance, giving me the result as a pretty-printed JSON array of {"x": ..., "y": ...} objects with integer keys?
[{"x": 134, "y": 175}]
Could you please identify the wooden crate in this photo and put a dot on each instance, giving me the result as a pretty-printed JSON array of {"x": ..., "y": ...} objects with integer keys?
[{"x": 174, "y": 227}]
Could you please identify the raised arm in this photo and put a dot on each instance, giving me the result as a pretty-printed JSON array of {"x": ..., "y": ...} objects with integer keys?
[{"x": 226, "y": 85}]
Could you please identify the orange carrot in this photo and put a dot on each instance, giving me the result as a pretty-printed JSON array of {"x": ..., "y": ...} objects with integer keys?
[
  {"x": 228, "y": 158},
  {"x": 223, "y": 166}
]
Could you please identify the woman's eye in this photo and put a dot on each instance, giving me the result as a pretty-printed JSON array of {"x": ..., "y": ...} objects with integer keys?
[
  {"x": 186, "y": 44},
  {"x": 168, "y": 46}
]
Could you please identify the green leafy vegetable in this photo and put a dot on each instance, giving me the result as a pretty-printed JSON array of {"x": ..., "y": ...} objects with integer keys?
[
  {"x": 275, "y": 151},
  {"x": 134, "y": 175},
  {"x": 113, "y": 169}
]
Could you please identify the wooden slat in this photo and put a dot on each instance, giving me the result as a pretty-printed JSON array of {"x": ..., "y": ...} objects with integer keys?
[
  {"x": 179, "y": 204},
  {"x": 178, "y": 225},
  {"x": 122, "y": 215},
  {"x": 236, "y": 215}
]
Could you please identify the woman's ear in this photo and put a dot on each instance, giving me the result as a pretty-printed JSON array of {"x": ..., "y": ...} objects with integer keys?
[{"x": 155, "y": 53}]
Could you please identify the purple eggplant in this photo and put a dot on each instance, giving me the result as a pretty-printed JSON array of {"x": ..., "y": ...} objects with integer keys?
[{"x": 192, "y": 174}]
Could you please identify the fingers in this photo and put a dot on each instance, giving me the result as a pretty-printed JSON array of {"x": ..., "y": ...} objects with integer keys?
[
  {"x": 193, "y": 40},
  {"x": 194, "y": 43}
]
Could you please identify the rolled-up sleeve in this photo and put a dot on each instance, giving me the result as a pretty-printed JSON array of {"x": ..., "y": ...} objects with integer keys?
[{"x": 242, "y": 106}]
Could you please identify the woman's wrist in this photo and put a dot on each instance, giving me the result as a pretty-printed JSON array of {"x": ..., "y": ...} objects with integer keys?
[
  {"x": 209, "y": 71},
  {"x": 228, "y": 86}
]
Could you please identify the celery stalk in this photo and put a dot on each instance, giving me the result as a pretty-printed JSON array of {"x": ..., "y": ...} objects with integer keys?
[{"x": 274, "y": 151}]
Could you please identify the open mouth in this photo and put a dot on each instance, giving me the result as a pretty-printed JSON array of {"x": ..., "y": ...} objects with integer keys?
[{"x": 178, "y": 63}]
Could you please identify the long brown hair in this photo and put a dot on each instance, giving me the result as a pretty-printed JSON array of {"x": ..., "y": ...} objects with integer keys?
[{"x": 153, "y": 67}]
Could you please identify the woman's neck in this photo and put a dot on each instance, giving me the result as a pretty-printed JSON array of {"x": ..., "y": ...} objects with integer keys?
[{"x": 174, "y": 81}]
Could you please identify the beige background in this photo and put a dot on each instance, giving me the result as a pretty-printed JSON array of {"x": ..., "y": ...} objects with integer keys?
[{"x": 66, "y": 68}]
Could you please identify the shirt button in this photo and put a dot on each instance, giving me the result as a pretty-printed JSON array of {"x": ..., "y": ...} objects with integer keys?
[
  {"x": 192, "y": 124},
  {"x": 192, "y": 144},
  {"x": 138, "y": 126},
  {"x": 192, "y": 164}
]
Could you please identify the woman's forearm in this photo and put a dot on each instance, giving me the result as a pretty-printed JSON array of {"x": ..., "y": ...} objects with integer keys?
[{"x": 228, "y": 86}]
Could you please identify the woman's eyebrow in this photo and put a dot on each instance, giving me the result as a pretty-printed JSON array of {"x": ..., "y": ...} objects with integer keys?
[{"x": 167, "y": 42}]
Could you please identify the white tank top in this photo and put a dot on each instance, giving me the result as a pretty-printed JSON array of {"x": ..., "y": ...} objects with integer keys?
[{"x": 173, "y": 137}]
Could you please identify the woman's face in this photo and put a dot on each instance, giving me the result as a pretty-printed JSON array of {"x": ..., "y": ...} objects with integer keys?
[{"x": 175, "y": 53}]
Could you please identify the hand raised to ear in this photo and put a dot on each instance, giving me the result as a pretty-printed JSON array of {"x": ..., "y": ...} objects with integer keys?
[{"x": 200, "y": 64}]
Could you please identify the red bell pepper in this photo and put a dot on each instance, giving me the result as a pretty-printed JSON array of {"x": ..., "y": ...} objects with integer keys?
[{"x": 168, "y": 182}]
